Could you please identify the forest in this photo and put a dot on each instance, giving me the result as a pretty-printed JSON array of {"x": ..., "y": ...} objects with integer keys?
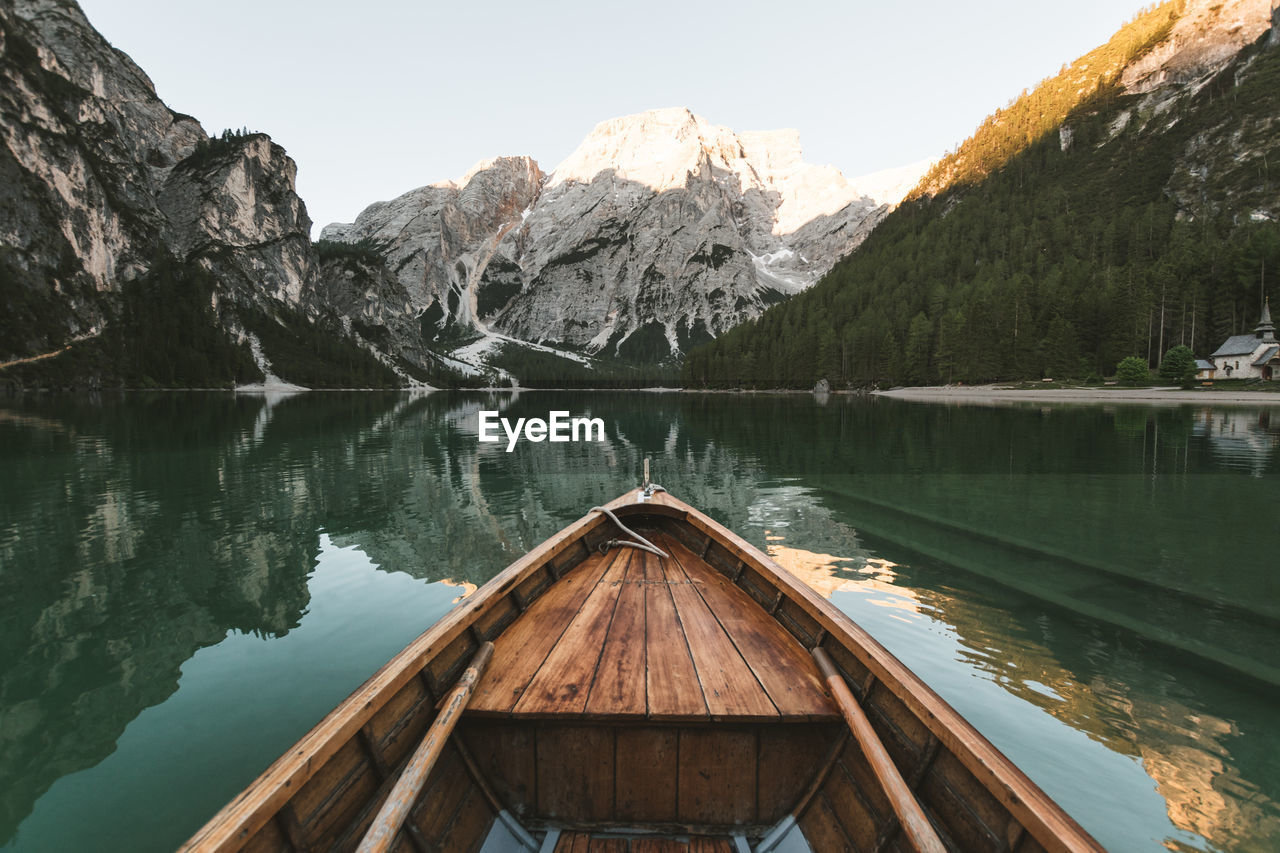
[{"x": 1063, "y": 237}]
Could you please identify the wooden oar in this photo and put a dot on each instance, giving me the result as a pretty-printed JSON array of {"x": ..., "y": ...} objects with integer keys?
[
  {"x": 911, "y": 817},
  {"x": 407, "y": 788}
]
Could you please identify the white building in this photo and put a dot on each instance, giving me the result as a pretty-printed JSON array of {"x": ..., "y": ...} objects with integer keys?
[{"x": 1255, "y": 356}]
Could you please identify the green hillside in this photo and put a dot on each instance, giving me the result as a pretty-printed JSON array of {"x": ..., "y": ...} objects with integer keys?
[{"x": 1078, "y": 226}]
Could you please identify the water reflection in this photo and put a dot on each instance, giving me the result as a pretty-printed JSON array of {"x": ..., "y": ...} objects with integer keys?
[
  {"x": 1241, "y": 439},
  {"x": 143, "y": 536}
]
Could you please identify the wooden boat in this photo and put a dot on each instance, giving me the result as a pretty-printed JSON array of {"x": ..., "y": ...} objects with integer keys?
[{"x": 638, "y": 703}]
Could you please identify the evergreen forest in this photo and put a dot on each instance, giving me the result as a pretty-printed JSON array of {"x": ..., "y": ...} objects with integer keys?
[{"x": 1079, "y": 226}]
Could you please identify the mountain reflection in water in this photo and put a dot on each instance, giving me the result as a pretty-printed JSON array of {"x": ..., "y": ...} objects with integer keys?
[{"x": 189, "y": 581}]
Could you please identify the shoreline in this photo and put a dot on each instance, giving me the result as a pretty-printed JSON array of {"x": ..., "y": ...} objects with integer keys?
[
  {"x": 996, "y": 393},
  {"x": 989, "y": 394}
]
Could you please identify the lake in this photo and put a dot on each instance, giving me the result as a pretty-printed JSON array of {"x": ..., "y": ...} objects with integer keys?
[{"x": 189, "y": 581}]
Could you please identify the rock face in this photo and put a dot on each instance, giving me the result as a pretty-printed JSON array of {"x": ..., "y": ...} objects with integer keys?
[
  {"x": 660, "y": 231},
  {"x": 235, "y": 212},
  {"x": 1204, "y": 38},
  {"x": 99, "y": 180},
  {"x": 1217, "y": 169},
  {"x": 439, "y": 239},
  {"x": 87, "y": 147}
]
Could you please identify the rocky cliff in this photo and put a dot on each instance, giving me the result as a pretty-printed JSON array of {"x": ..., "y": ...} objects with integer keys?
[
  {"x": 660, "y": 231},
  {"x": 87, "y": 149},
  {"x": 134, "y": 248},
  {"x": 137, "y": 250}
]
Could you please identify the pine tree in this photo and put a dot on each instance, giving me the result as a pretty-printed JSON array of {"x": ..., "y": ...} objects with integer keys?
[{"x": 919, "y": 345}]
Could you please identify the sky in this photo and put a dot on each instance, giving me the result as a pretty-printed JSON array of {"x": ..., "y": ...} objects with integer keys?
[{"x": 376, "y": 97}]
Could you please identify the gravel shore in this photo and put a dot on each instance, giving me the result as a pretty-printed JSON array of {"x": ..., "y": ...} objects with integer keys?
[{"x": 1004, "y": 394}]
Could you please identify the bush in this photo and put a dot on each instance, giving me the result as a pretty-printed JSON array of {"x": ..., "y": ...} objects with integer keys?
[
  {"x": 1133, "y": 371},
  {"x": 215, "y": 147},
  {"x": 1179, "y": 366}
]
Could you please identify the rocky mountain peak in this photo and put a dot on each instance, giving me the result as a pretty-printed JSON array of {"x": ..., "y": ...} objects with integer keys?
[
  {"x": 1207, "y": 35},
  {"x": 663, "y": 149},
  {"x": 660, "y": 230},
  {"x": 487, "y": 185},
  {"x": 657, "y": 148}
]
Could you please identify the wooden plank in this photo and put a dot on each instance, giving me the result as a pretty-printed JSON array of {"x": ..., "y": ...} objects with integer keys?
[
  {"x": 561, "y": 684},
  {"x": 703, "y": 844},
  {"x": 1029, "y": 845},
  {"x": 860, "y": 824},
  {"x": 470, "y": 826},
  {"x": 902, "y": 732},
  {"x": 398, "y": 725},
  {"x": 413, "y": 778},
  {"x": 335, "y": 796},
  {"x": 976, "y": 797},
  {"x": 854, "y": 763},
  {"x": 799, "y": 623},
  {"x": 504, "y": 753},
  {"x": 671, "y": 680},
  {"x": 822, "y": 830},
  {"x": 269, "y": 839},
  {"x": 915, "y": 823},
  {"x": 729, "y": 686},
  {"x": 619, "y": 686},
  {"x": 789, "y": 756},
  {"x": 657, "y": 845},
  {"x": 573, "y": 842},
  {"x": 575, "y": 772},
  {"x": 495, "y": 620},
  {"x": 967, "y": 812},
  {"x": 645, "y": 787},
  {"x": 435, "y": 810},
  {"x": 608, "y": 845},
  {"x": 527, "y": 593},
  {"x": 560, "y": 563},
  {"x": 717, "y": 780},
  {"x": 524, "y": 646},
  {"x": 757, "y": 586},
  {"x": 783, "y": 668},
  {"x": 287, "y": 821},
  {"x": 444, "y": 668}
]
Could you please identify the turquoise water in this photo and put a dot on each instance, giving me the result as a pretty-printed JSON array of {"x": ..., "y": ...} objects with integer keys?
[{"x": 188, "y": 582}]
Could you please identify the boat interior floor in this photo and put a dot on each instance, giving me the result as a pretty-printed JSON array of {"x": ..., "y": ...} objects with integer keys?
[
  {"x": 582, "y": 842},
  {"x": 627, "y": 635}
]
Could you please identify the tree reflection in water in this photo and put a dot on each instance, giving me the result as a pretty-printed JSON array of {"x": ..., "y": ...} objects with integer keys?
[{"x": 1077, "y": 572}]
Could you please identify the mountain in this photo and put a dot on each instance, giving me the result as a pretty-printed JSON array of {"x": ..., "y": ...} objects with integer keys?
[
  {"x": 659, "y": 232},
  {"x": 136, "y": 249},
  {"x": 139, "y": 251},
  {"x": 1122, "y": 207}
]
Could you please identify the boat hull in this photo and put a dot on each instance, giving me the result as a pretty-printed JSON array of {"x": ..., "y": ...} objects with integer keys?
[{"x": 636, "y": 700}]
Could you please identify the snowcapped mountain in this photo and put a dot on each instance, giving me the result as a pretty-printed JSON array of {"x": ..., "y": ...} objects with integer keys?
[
  {"x": 138, "y": 251},
  {"x": 661, "y": 230}
]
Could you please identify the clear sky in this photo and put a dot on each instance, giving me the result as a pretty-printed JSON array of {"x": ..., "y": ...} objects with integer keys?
[{"x": 376, "y": 97}]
